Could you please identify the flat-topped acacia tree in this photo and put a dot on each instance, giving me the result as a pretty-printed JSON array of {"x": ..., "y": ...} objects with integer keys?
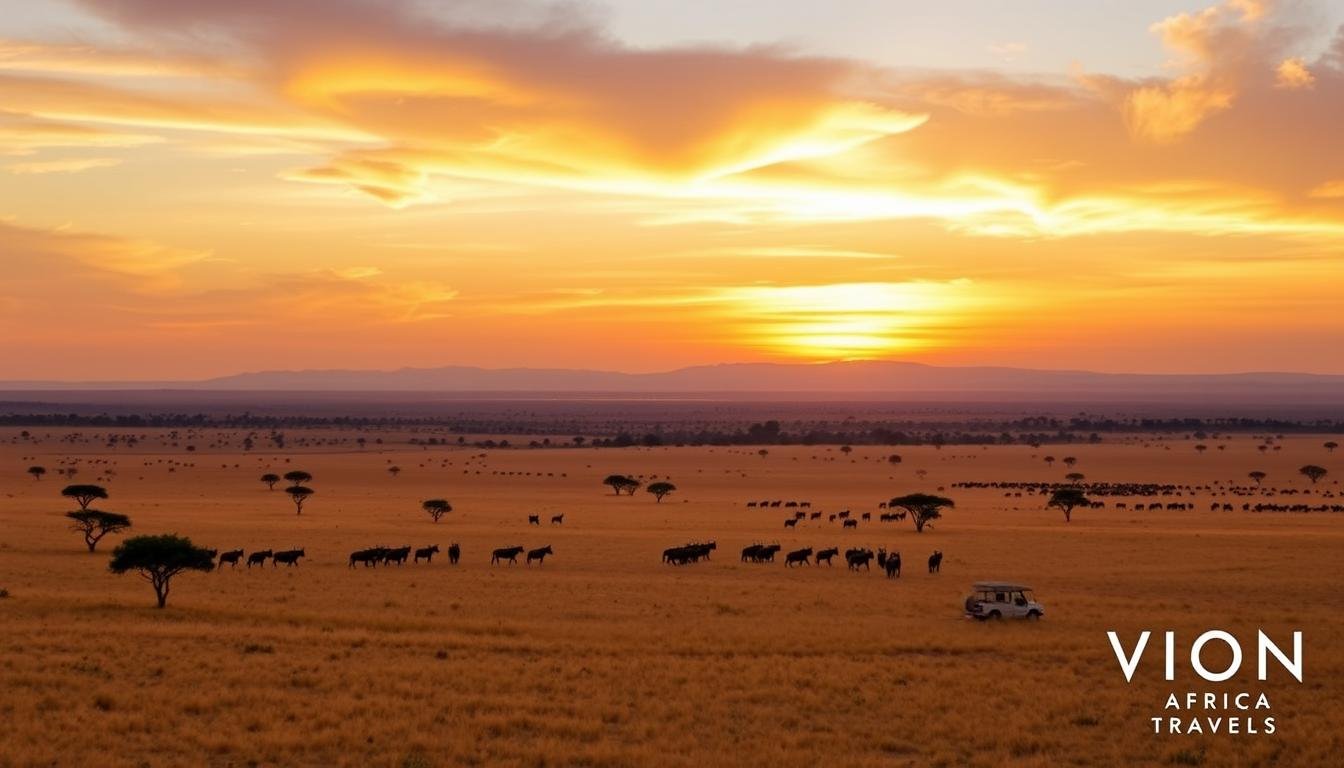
[
  {"x": 620, "y": 483},
  {"x": 299, "y": 494},
  {"x": 1257, "y": 476},
  {"x": 95, "y": 525},
  {"x": 158, "y": 559},
  {"x": 298, "y": 477},
  {"x": 1066, "y": 499},
  {"x": 37, "y": 472},
  {"x": 84, "y": 495},
  {"x": 660, "y": 489},
  {"x": 1313, "y": 472},
  {"x": 270, "y": 479},
  {"x": 924, "y": 508},
  {"x": 436, "y": 508}
]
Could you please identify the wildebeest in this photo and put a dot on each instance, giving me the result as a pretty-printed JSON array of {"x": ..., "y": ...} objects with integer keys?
[
  {"x": 369, "y": 557},
  {"x": 454, "y": 552},
  {"x": 827, "y": 554},
  {"x": 288, "y": 557},
  {"x": 231, "y": 557},
  {"x": 688, "y": 553},
  {"x": 851, "y": 524},
  {"x": 397, "y": 555},
  {"x": 558, "y": 519},
  {"x": 843, "y": 514},
  {"x": 506, "y": 553},
  {"x": 893, "y": 566},
  {"x": 855, "y": 558},
  {"x": 935, "y": 561},
  {"x": 258, "y": 558},
  {"x": 867, "y": 515},
  {"x": 797, "y": 556},
  {"x": 534, "y": 519},
  {"x": 427, "y": 553},
  {"x": 814, "y": 516},
  {"x": 539, "y": 554},
  {"x": 792, "y": 522}
]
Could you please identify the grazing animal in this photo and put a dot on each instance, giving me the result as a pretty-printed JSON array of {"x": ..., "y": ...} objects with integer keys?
[
  {"x": 557, "y": 520},
  {"x": 799, "y": 515},
  {"x": 792, "y": 522},
  {"x": 397, "y": 555},
  {"x": 797, "y": 556},
  {"x": 539, "y": 555},
  {"x": 827, "y": 554},
  {"x": 427, "y": 553},
  {"x": 893, "y": 566},
  {"x": 258, "y": 558},
  {"x": 856, "y": 558},
  {"x": 288, "y": 557},
  {"x": 832, "y": 518},
  {"x": 534, "y": 519},
  {"x": 814, "y": 516},
  {"x": 454, "y": 552},
  {"x": 844, "y": 514},
  {"x": 851, "y": 524},
  {"x": 935, "y": 561},
  {"x": 506, "y": 553},
  {"x": 751, "y": 504},
  {"x": 369, "y": 557},
  {"x": 867, "y": 515},
  {"x": 231, "y": 557}
]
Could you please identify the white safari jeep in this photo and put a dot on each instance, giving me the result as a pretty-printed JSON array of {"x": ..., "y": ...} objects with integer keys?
[{"x": 1000, "y": 600}]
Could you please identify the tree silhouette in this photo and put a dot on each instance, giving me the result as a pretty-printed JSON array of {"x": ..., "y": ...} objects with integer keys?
[
  {"x": 394, "y": 470},
  {"x": 923, "y": 508},
  {"x": 579, "y": 440},
  {"x": 1069, "y": 461},
  {"x": 620, "y": 483},
  {"x": 95, "y": 525},
  {"x": 159, "y": 558},
  {"x": 436, "y": 508},
  {"x": 299, "y": 494},
  {"x": 763, "y": 453},
  {"x": 1201, "y": 447},
  {"x": 1066, "y": 499},
  {"x": 84, "y": 495},
  {"x": 270, "y": 479},
  {"x": 660, "y": 489},
  {"x": 1329, "y": 446},
  {"x": 298, "y": 477},
  {"x": 1050, "y": 461},
  {"x": 1074, "y": 477},
  {"x": 894, "y": 458},
  {"x": 1257, "y": 476},
  {"x": 846, "y": 449},
  {"x": 1313, "y": 472},
  {"x": 37, "y": 472}
]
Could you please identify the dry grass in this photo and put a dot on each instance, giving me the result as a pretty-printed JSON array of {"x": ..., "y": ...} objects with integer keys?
[{"x": 606, "y": 657}]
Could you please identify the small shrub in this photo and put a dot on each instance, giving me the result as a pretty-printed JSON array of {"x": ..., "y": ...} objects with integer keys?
[
  {"x": 4, "y": 593},
  {"x": 102, "y": 703},
  {"x": 258, "y": 648}
]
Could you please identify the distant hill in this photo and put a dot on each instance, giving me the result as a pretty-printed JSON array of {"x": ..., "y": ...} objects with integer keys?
[{"x": 866, "y": 377}]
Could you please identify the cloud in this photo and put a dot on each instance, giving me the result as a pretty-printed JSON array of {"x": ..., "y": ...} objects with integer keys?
[
  {"x": 1293, "y": 75},
  {"x": 70, "y": 165}
]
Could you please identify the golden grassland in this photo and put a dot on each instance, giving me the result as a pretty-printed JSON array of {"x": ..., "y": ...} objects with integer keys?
[{"x": 604, "y": 656}]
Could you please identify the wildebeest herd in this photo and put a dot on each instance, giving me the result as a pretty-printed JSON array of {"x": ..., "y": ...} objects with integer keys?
[{"x": 231, "y": 558}]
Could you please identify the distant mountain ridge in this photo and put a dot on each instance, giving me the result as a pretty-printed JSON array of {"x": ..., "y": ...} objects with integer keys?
[{"x": 868, "y": 377}]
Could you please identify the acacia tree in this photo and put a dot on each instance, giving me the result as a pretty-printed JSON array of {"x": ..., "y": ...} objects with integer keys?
[
  {"x": 660, "y": 489},
  {"x": 1313, "y": 472},
  {"x": 270, "y": 479},
  {"x": 436, "y": 508},
  {"x": 1257, "y": 476},
  {"x": 1066, "y": 499},
  {"x": 1050, "y": 461},
  {"x": 298, "y": 477},
  {"x": 299, "y": 494},
  {"x": 846, "y": 449},
  {"x": 95, "y": 525},
  {"x": 37, "y": 472},
  {"x": 1075, "y": 477},
  {"x": 84, "y": 495},
  {"x": 159, "y": 558},
  {"x": 1070, "y": 461},
  {"x": 1329, "y": 446},
  {"x": 1201, "y": 447},
  {"x": 894, "y": 458},
  {"x": 620, "y": 483},
  {"x": 924, "y": 508},
  {"x": 394, "y": 470}
]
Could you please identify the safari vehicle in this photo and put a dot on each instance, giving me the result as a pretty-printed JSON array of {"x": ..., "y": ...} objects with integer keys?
[{"x": 1000, "y": 600}]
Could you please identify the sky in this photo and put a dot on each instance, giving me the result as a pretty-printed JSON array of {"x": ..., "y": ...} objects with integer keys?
[{"x": 192, "y": 188}]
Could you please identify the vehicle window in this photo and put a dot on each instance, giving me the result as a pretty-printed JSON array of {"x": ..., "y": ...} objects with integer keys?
[
  {"x": 1019, "y": 598},
  {"x": 1000, "y": 598}
]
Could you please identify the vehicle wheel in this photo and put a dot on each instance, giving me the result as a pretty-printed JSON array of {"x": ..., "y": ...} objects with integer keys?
[
  {"x": 994, "y": 616},
  {"x": 1033, "y": 615}
]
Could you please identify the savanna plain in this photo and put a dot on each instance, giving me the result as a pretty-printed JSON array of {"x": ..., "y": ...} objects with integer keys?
[{"x": 606, "y": 656}]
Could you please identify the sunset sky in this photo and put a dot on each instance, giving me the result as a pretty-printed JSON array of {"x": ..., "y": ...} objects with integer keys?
[{"x": 191, "y": 188}]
